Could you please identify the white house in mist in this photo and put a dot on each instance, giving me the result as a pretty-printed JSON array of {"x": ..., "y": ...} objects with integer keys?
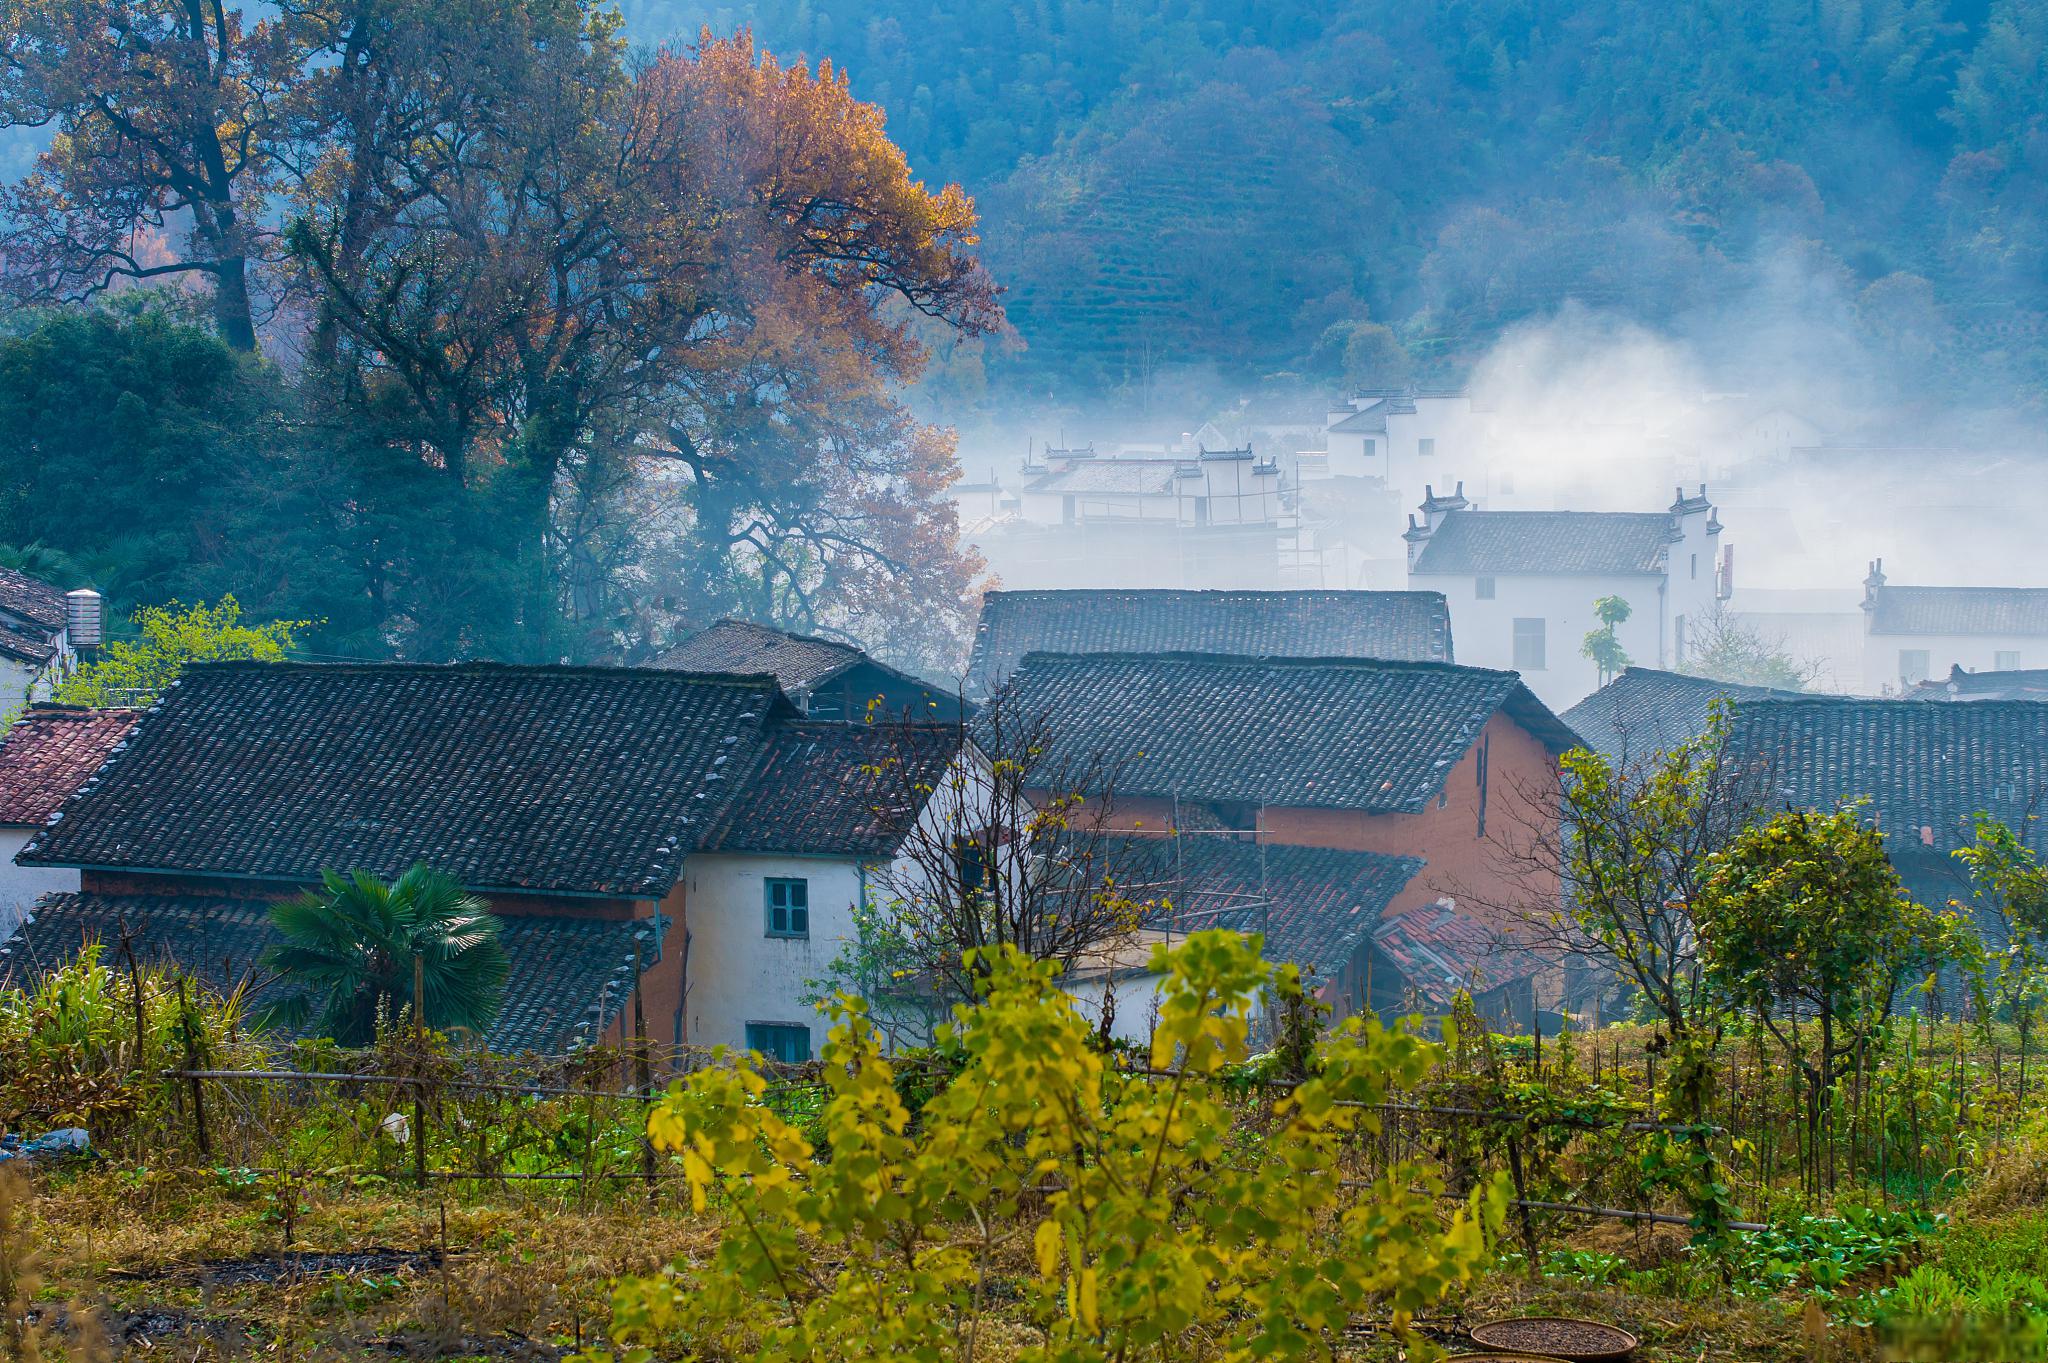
[
  {"x": 1912, "y": 634},
  {"x": 1521, "y": 584},
  {"x": 1201, "y": 516}
]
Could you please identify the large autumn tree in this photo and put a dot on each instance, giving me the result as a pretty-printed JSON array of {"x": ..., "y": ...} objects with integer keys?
[
  {"x": 568, "y": 273},
  {"x": 585, "y": 349},
  {"x": 168, "y": 135}
]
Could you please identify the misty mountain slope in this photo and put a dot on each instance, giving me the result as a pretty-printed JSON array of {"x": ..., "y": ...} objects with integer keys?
[{"x": 1221, "y": 183}]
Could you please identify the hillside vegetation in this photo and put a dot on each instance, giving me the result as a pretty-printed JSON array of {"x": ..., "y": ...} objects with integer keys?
[{"x": 1246, "y": 183}]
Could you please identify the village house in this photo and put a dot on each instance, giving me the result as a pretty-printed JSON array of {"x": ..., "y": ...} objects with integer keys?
[
  {"x": 1329, "y": 913},
  {"x": 41, "y": 631},
  {"x": 1405, "y": 437},
  {"x": 2027, "y": 683},
  {"x": 1644, "y": 713},
  {"x": 825, "y": 678},
  {"x": 1523, "y": 584},
  {"x": 1442, "y": 764},
  {"x": 1926, "y": 770},
  {"x": 1410, "y": 626},
  {"x": 1194, "y": 517},
  {"x": 44, "y": 758},
  {"x": 692, "y": 826},
  {"x": 1914, "y": 633}
]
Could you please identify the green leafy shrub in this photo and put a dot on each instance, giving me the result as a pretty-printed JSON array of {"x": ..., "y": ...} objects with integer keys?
[{"x": 1111, "y": 1210}]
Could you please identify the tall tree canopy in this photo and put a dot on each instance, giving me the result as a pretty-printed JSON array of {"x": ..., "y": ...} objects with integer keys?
[{"x": 581, "y": 349}]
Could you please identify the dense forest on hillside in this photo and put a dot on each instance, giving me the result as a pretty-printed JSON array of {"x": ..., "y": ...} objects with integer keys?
[{"x": 1251, "y": 184}]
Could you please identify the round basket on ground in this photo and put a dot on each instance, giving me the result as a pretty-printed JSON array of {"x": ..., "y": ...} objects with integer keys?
[
  {"x": 1502, "y": 1356},
  {"x": 1579, "y": 1341}
]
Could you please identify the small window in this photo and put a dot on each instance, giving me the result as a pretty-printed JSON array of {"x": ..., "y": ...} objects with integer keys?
[
  {"x": 1426, "y": 447},
  {"x": 1372, "y": 448},
  {"x": 1912, "y": 666},
  {"x": 1695, "y": 567},
  {"x": 969, "y": 864},
  {"x": 789, "y": 908},
  {"x": 1529, "y": 645},
  {"x": 2006, "y": 660},
  {"x": 788, "y": 1043},
  {"x": 1482, "y": 589}
]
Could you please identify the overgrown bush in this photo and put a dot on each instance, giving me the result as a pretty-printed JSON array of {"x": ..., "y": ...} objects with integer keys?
[
  {"x": 1083, "y": 1212},
  {"x": 86, "y": 1045}
]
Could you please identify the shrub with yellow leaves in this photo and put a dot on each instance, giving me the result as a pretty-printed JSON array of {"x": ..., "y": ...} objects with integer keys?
[{"x": 1155, "y": 1222}]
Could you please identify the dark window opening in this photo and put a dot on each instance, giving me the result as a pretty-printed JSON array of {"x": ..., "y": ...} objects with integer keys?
[{"x": 789, "y": 908}]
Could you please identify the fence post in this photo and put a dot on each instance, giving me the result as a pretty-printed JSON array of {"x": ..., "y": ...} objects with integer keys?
[
  {"x": 643, "y": 1077},
  {"x": 192, "y": 1072},
  {"x": 419, "y": 1055}
]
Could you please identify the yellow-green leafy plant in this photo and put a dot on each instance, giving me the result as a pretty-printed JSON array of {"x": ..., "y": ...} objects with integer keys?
[{"x": 1047, "y": 1205}]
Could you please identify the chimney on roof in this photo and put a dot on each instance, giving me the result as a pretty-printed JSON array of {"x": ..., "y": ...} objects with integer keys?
[
  {"x": 1435, "y": 508},
  {"x": 1873, "y": 584},
  {"x": 84, "y": 618}
]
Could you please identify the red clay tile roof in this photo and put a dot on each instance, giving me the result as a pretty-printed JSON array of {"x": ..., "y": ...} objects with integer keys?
[
  {"x": 50, "y": 753},
  {"x": 1442, "y": 950}
]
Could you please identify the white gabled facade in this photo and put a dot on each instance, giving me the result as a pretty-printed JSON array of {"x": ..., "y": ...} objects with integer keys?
[
  {"x": 749, "y": 976},
  {"x": 1535, "y": 623}
]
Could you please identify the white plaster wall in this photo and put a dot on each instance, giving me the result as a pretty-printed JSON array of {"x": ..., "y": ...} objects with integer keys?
[
  {"x": 22, "y": 886},
  {"x": 1461, "y": 448},
  {"x": 1974, "y": 653},
  {"x": 1485, "y": 634},
  {"x": 737, "y": 972},
  {"x": 1137, "y": 1003}
]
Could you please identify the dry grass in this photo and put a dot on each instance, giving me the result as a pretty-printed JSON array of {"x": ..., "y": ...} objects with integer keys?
[{"x": 527, "y": 1276}]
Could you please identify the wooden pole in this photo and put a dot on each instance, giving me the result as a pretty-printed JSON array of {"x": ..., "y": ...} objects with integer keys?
[
  {"x": 419, "y": 1051},
  {"x": 192, "y": 1065},
  {"x": 643, "y": 1076}
]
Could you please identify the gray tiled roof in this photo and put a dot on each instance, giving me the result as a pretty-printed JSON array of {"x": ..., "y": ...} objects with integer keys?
[
  {"x": 1128, "y": 477},
  {"x": 2017, "y": 611},
  {"x": 797, "y": 661},
  {"x": 835, "y": 789},
  {"x": 1923, "y": 767},
  {"x": 1566, "y": 543},
  {"x": 1310, "y": 624},
  {"x": 1315, "y": 906},
  {"x": 1645, "y": 712},
  {"x": 1338, "y": 733},
  {"x": 2028, "y": 683},
  {"x": 550, "y": 779},
  {"x": 569, "y": 977},
  {"x": 32, "y": 599},
  {"x": 1372, "y": 419}
]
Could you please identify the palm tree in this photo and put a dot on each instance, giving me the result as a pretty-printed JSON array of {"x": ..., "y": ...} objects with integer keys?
[{"x": 350, "y": 948}]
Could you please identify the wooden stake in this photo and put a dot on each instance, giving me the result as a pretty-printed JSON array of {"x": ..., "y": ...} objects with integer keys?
[
  {"x": 192, "y": 1066},
  {"x": 419, "y": 1052}
]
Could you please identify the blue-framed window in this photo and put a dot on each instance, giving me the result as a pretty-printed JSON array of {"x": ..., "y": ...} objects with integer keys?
[
  {"x": 789, "y": 907},
  {"x": 786, "y": 1042}
]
